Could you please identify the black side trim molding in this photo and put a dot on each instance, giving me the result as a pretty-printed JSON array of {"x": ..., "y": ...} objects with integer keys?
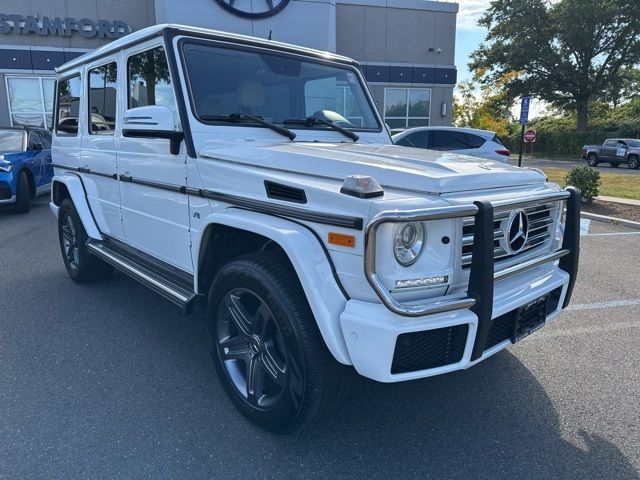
[
  {"x": 282, "y": 210},
  {"x": 344, "y": 221}
]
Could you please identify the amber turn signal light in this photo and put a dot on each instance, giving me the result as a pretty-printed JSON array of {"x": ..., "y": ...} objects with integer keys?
[{"x": 342, "y": 240}]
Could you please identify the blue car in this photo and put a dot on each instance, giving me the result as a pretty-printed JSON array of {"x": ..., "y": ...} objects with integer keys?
[{"x": 25, "y": 166}]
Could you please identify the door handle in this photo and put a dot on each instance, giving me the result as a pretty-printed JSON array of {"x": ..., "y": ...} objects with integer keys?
[{"x": 126, "y": 178}]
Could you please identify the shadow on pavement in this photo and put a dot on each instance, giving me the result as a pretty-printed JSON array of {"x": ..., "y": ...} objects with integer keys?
[{"x": 493, "y": 421}]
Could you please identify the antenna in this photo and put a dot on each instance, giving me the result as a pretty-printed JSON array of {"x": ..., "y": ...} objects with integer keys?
[{"x": 270, "y": 32}]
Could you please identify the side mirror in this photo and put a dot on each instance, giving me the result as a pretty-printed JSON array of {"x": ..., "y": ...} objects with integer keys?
[{"x": 153, "y": 121}]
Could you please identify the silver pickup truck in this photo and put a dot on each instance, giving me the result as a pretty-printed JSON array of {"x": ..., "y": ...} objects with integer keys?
[{"x": 613, "y": 151}]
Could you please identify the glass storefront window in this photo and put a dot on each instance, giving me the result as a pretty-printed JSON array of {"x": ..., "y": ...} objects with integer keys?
[
  {"x": 407, "y": 107},
  {"x": 30, "y": 100}
]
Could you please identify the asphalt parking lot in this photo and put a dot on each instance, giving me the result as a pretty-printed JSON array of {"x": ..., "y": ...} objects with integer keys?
[{"x": 111, "y": 381}]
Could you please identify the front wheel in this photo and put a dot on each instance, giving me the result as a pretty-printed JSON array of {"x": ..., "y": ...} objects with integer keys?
[
  {"x": 633, "y": 163},
  {"x": 81, "y": 265},
  {"x": 267, "y": 349},
  {"x": 23, "y": 194},
  {"x": 592, "y": 160}
]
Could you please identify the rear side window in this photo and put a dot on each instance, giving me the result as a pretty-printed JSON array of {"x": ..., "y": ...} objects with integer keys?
[
  {"x": 149, "y": 80},
  {"x": 417, "y": 139},
  {"x": 497, "y": 140},
  {"x": 102, "y": 99},
  {"x": 447, "y": 140},
  {"x": 69, "y": 92},
  {"x": 474, "y": 141}
]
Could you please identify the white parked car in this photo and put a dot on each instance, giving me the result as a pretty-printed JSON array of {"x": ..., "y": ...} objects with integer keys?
[
  {"x": 232, "y": 179},
  {"x": 467, "y": 141}
]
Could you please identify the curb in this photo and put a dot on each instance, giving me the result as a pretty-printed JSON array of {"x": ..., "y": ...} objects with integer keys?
[{"x": 604, "y": 218}]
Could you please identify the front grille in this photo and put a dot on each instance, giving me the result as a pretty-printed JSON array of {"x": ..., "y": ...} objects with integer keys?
[
  {"x": 502, "y": 326},
  {"x": 429, "y": 349},
  {"x": 541, "y": 226},
  {"x": 5, "y": 191}
]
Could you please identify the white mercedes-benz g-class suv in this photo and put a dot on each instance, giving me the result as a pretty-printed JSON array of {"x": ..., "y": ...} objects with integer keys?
[{"x": 259, "y": 177}]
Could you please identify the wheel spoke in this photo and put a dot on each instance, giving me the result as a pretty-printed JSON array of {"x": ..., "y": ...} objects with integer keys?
[
  {"x": 255, "y": 380},
  {"x": 71, "y": 252},
  {"x": 66, "y": 233},
  {"x": 240, "y": 317},
  {"x": 278, "y": 375},
  {"x": 235, "y": 348}
]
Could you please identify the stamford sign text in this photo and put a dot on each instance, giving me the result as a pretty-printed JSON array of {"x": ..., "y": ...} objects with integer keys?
[{"x": 62, "y": 27}]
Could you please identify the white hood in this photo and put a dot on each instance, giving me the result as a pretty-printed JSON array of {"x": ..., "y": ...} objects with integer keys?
[{"x": 392, "y": 166}]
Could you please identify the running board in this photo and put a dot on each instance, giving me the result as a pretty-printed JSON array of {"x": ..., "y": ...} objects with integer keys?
[{"x": 173, "y": 290}]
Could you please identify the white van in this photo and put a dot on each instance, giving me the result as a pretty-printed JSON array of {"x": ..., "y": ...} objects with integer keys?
[{"x": 257, "y": 179}]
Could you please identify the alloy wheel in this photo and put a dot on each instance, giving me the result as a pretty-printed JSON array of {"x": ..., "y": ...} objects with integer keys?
[
  {"x": 252, "y": 349},
  {"x": 70, "y": 242}
]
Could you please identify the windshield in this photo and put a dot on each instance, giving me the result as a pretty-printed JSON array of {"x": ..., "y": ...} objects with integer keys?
[
  {"x": 633, "y": 143},
  {"x": 11, "y": 140},
  {"x": 275, "y": 88}
]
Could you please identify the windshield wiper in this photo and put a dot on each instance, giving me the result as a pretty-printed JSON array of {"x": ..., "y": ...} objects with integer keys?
[
  {"x": 239, "y": 117},
  {"x": 311, "y": 121}
]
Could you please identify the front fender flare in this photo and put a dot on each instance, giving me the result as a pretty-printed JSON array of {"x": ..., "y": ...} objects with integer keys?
[
  {"x": 78, "y": 197},
  {"x": 309, "y": 261}
]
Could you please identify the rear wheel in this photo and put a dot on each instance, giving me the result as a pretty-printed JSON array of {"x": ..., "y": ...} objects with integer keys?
[
  {"x": 267, "y": 348},
  {"x": 633, "y": 163},
  {"x": 81, "y": 265},
  {"x": 23, "y": 195},
  {"x": 592, "y": 160}
]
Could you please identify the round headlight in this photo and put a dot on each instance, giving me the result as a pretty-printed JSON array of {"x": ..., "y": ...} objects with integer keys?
[{"x": 408, "y": 243}]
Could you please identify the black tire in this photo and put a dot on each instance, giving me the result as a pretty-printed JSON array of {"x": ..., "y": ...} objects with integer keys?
[
  {"x": 23, "y": 195},
  {"x": 300, "y": 380},
  {"x": 633, "y": 162},
  {"x": 614, "y": 164},
  {"x": 592, "y": 160},
  {"x": 81, "y": 265}
]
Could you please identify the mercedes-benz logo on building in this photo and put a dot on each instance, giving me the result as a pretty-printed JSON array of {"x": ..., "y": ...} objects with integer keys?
[
  {"x": 517, "y": 231},
  {"x": 245, "y": 8}
]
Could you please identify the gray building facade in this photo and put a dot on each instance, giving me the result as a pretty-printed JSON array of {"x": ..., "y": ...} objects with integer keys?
[{"x": 406, "y": 47}]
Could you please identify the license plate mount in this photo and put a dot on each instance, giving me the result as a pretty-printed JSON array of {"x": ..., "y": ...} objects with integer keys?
[{"x": 529, "y": 318}]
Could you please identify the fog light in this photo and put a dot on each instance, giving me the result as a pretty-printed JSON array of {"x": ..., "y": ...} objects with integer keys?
[{"x": 423, "y": 282}]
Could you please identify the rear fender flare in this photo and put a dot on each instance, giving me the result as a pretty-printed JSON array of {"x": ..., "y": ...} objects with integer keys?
[{"x": 77, "y": 193}]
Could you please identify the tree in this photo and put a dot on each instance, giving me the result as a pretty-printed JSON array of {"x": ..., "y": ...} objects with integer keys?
[
  {"x": 567, "y": 51},
  {"x": 487, "y": 108}
]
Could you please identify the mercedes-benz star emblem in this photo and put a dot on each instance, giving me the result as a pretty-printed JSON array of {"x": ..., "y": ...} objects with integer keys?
[
  {"x": 255, "y": 9},
  {"x": 517, "y": 231}
]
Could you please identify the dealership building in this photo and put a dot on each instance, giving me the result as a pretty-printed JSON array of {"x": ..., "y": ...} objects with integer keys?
[{"x": 405, "y": 47}]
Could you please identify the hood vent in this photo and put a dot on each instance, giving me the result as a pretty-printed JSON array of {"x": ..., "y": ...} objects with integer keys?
[{"x": 285, "y": 193}]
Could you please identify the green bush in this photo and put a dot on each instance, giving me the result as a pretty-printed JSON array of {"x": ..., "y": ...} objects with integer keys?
[{"x": 586, "y": 179}]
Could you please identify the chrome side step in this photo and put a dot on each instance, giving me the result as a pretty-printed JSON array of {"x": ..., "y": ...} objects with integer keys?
[{"x": 174, "y": 291}]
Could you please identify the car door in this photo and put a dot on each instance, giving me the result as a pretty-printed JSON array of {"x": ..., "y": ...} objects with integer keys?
[
  {"x": 99, "y": 146},
  {"x": 38, "y": 158},
  {"x": 608, "y": 151},
  {"x": 155, "y": 210},
  {"x": 48, "y": 167}
]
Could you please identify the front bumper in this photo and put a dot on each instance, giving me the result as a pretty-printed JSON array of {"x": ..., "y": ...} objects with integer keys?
[
  {"x": 465, "y": 324},
  {"x": 7, "y": 193},
  {"x": 371, "y": 330}
]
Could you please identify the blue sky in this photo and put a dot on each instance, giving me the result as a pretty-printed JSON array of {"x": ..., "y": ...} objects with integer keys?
[{"x": 468, "y": 34}]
